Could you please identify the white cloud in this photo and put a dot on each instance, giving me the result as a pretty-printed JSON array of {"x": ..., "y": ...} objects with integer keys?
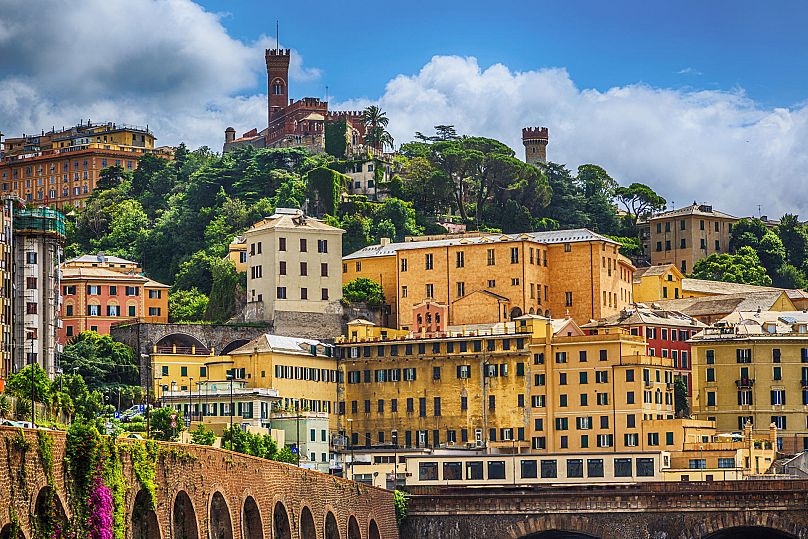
[
  {"x": 170, "y": 64},
  {"x": 689, "y": 71},
  {"x": 709, "y": 146}
]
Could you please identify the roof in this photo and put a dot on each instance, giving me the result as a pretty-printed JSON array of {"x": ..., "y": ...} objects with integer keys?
[
  {"x": 725, "y": 304},
  {"x": 292, "y": 219},
  {"x": 767, "y": 324},
  {"x": 654, "y": 271},
  {"x": 647, "y": 316},
  {"x": 703, "y": 210},
  {"x": 279, "y": 343},
  {"x": 494, "y": 295},
  {"x": 720, "y": 287},
  {"x": 551, "y": 237},
  {"x": 151, "y": 283},
  {"x": 99, "y": 259},
  {"x": 69, "y": 272}
]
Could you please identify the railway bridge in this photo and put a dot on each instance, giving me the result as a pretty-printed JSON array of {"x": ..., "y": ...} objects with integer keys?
[
  {"x": 201, "y": 492},
  {"x": 766, "y": 509}
]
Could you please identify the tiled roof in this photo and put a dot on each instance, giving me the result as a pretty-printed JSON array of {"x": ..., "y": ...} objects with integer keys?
[
  {"x": 646, "y": 316},
  {"x": 95, "y": 259},
  {"x": 290, "y": 218},
  {"x": 279, "y": 343},
  {"x": 99, "y": 273},
  {"x": 652, "y": 271},
  {"x": 693, "y": 209},
  {"x": 714, "y": 305},
  {"x": 555, "y": 236}
]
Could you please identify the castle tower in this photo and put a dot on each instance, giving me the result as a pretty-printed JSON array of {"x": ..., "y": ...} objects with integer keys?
[
  {"x": 277, "y": 81},
  {"x": 535, "y": 140}
]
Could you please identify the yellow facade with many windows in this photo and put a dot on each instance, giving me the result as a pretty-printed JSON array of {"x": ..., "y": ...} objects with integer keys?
[
  {"x": 551, "y": 273},
  {"x": 753, "y": 368},
  {"x": 523, "y": 386}
]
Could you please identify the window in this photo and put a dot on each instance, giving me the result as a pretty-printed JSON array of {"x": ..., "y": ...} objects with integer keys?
[
  {"x": 132, "y": 310},
  {"x": 304, "y": 269},
  {"x": 529, "y": 469},
  {"x": 428, "y": 471},
  {"x": 282, "y": 267},
  {"x": 491, "y": 258},
  {"x": 281, "y": 292},
  {"x": 153, "y": 294},
  {"x": 30, "y": 283},
  {"x": 496, "y": 469},
  {"x": 645, "y": 467},
  {"x": 403, "y": 264},
  {"x": 778, "y": 396},
  {"x": 403, "y": 291},
  {"x": 779, "y": 421},
  {"x": 568, "y": 299},
  {"x": 697, "y": 464},
  {"x": 153, "y": 311},
  {"x": 430, "y": 291},
  {"x": 304, "y": 293},
  {"x": 93, "y": 290},
  {"x": 322, "y": 246},
  {"x": 428, "y": 262},
  {"x": 514, "y": 255},
  {"x": 726, "y": 462},
  {"x": 622, "y": 467},
  {"x": 324, "y": 294},
  {"x": 30, "y": 257},
  {"x": 461, "y": 289},
  {"x": 114, "y": 310},
  {"x": 461, "y": 259},
  {"x": 132, "y": 291},
  {"x": 549, "y": 469},
  {"x": 594, "y": 467},
  {"x": 303, "y": 245},
  {"x": 281, "y": 244}
]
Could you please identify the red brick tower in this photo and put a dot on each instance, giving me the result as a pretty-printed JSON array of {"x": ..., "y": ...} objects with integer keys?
[
  {"x": 278, "y": 81},
  {"x": 535, "y": 140}
]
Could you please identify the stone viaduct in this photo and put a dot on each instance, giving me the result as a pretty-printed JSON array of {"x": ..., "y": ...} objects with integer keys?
[
  {"x": 716, "y": 510},
  {"x": 202, "y": 493}
]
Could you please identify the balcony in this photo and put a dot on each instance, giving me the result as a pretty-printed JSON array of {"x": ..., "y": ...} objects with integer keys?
[{"x": 745, "y": 383}]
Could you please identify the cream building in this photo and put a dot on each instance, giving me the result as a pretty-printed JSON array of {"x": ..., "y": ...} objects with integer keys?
[{"x": 293, "y": 274}]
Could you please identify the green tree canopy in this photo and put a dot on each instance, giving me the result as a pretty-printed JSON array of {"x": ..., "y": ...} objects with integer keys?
[
  {"x": 639, "y": 200},
  {"x": 165, "y": 427},
  {"x": 187, "y": 306},
  {"x": 363, "y": 290},
  {"x": 100, "y": 360},
  {"x": 741, "y": 267}
]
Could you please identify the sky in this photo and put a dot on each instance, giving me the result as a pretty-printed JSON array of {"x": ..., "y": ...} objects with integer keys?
[{"x": 704, "y": 101}]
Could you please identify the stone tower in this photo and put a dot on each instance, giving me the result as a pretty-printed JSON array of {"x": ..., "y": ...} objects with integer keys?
[
  {"x": 277, "y": 81},
  {"x": 535, "y": 140}
]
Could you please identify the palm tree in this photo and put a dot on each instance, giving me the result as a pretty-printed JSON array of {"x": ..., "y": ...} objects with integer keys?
[{"x": 376, "y": 135}]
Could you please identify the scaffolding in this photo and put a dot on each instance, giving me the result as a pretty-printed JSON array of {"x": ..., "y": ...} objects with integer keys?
[{"x": 39, "y": 221}]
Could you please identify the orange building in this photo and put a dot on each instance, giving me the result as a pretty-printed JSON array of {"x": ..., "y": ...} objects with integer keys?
[
  {"x": 99, "y": 291},
  {"x": 61, "y": 168},
  {"x": 492, "y": 278}
]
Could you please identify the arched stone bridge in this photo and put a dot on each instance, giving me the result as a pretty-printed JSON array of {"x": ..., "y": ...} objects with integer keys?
[
  {"x": 202, "y": 493},
  {"x": 767, "y": 509}
]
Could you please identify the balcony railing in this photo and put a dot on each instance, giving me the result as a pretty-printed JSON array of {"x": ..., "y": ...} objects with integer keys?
[{"x": 745, "y": 383}]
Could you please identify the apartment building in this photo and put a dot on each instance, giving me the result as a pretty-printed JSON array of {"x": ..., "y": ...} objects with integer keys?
[
  {"x": 39, "y": 235},
  {"x": 6, "y": 289},
  {"x": 684, "y": 236},
  {"x": 654, "y": 283},
  {"x": 293, "y": 278},
  {"x": 99, "y": 291},
  {"x": 666, "y": 332},
  {"x": 62, "y": 167},
  {"x": 484, "y": 278},
  {"x": 752, "y": 368},
  {"x": 532, "y": 385}
]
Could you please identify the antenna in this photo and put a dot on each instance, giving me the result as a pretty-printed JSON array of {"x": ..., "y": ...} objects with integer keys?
[
  {"x": 277, "y": 35},
  {"x": 759, "y": 212},
  {"x": 326, "y": 93}
]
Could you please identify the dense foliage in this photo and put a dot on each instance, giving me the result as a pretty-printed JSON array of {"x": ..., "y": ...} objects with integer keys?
[
  {"x": 363, "y": 290},
  {"x": 257, "y": 445}
]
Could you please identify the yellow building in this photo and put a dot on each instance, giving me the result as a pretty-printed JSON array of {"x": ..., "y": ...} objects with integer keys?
[
  {"x": 657, "y": 282},
  {"x": 237, "y": 253},
  {"x": 302, "y": 372},
  {"x": 753, "y": 368},
  {"x": 485, "y": 278},
  {"x": 684, "y": 236},
  {"x": 293, "y": 277},
  {"x": 528, "y": 385},
  {"x": 711, "y": 309}
]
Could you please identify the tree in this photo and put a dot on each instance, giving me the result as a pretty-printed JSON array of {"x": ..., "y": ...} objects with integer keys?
[
  {"x": 771, "y": 252},
  {"x": 363, "y": 290},
  {"x": 110, "y": 178},
  {"x": 743, "y": 267},
  {"x": 598, "y": 191},
  {"x": 376, "y": 135},
  {"x": 567, "y": 202},
  {"x": 20, "y": 384},
  {"x": 222, "y": 302},
  {"x": 101, "y": 361},
  {"x": 795, "y": 240},
  {"x": 788, "y": 276},
  {"x": 166, "y": 425},
  {"x": 639, "y": 201},
  {"x": 202, "y": 435},
  {"x": 187, "y": 306},
  {"x": 680, "y": 401},
  {"x": 747, "y": 232}
]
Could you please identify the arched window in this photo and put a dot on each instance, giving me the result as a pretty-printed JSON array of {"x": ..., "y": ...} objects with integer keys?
[{"x": 278, "y": 88}]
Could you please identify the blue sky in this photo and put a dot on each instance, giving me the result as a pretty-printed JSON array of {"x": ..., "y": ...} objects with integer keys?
[
  {"x": 759, "y": 47},
  {"x": 701, "y": 100}
]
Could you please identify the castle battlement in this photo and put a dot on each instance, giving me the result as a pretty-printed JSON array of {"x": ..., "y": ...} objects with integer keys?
[
  {"x": 540, "y": 133},
  {"x": 278, "y": 52},
  {"x": 340, "y": 114}
]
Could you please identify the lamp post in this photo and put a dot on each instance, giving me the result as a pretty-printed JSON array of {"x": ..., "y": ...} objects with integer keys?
[{"x": 350, "y": 427}]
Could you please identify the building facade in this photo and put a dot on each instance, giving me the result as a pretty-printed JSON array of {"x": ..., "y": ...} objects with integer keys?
[
  {"x": 293, "y": 264},
  {"x": 485, "y": 278},
  {"x": 666, "y": 332},
  {"x": 6, "y": 289},
  {"x": 684, "y": 236},
  {"x": 753, "y": 368},
  {"x": 39, "y": 235},
  {"x": 533, "y": 385},
  {"x": 655, "y": 283},
  {"x": 61, "y": 168},
  {"x": 99, "y": 291}
]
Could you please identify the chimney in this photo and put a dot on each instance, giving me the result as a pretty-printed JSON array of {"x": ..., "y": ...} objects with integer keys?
[
  {"x": 229, "y": 134},
  {"x": 383, "y": 242}
]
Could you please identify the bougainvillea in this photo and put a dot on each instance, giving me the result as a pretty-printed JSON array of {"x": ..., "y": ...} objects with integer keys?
[{"x": 100, "y": 510}]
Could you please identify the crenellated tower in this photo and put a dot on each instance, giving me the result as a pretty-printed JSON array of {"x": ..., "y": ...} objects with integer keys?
[
  {"x": 277, "y": 81},
  {"x": 535, "y": 140}
]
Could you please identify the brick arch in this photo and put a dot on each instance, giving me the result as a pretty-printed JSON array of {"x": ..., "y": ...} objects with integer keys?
[
  {"x": 183, "y": 524},
  {"x": 330, "y": 525},
  {"x": 180, "y": 339},
  {"x": 38, "y": 507},
  {"x": 282, "y": 527},
  {"x": 308, "y": 530},
  {"x": 145, "y": 522},
  {"x": 252, "y": 519},
  {"x": 561, "y": 522},
  {"x": 353, "y": 530},
  {"x": 5, "y": 532},
  {"x": 220, "y": 519},
  {"x": 713, "y": 524}
]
